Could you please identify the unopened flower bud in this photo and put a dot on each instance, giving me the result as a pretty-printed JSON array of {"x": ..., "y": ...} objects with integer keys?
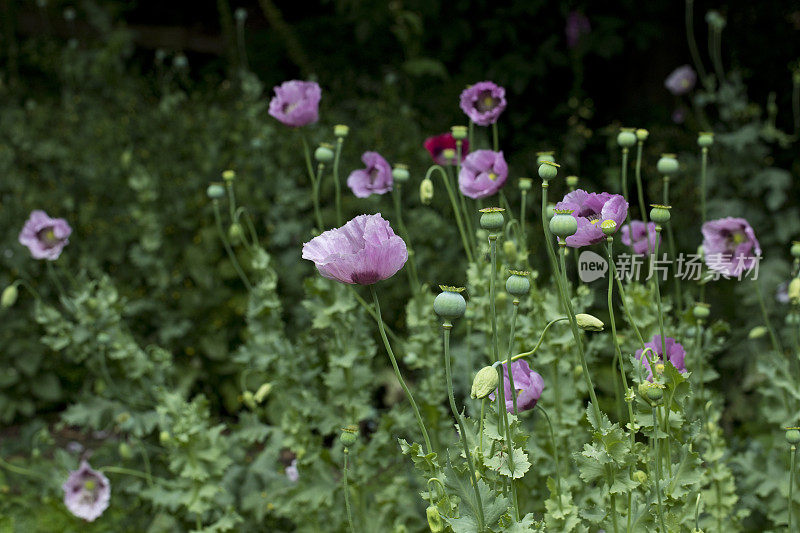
[
  {"x": 426, "y": 191},
  {"x": 795, "y": 249},
  {"x": 525, "y": 184},
  {"x": 548, "y": 170},
  {"x": 563, "y": 224},
  {"x": 667, "y": 164},
  {"x": 609, "y": 227},
  {"x": 492, "y": 219},
  {"x": 794, "y": 291},
  {"x": 642, "y": 134},
  {"x": 715, "y": 20},
  {"x": 626, "y": 137},
  {"x": 459, "y": 132},
  {"x": 400, "y": 173},
  {"x": 240, "y": 14},
  {"x": 705, "y": 139},
  {"x": 324, "y": 153},
  {"x": 510, "y": 249},
  {"x": 572, "y": 181},
  {"x": 485, "y": 382},
  {"x": 434, "y": 519},
  {"x": 9, "y": 296},
  {"x": 164, "y": 437},
  {"x": 449, "y": 304},
  {"x": 793, "y": 435},
  {"x": 701, "y": 311},
  {"x": 640, "y": 477},
  {"x": 518, "y": 284},
  {"x": 340, "y": 130},
  {"x": 651, "y": 392},
  {"x": 248, "y": 399},
  {"x": 541, "y": 157},
  {"x": 262, "y": 392},
  {"x": 660, "y": 213},
  {"x": 125, "y": 450},
  {"x": 757, "y": 332},
  {"x": 235, "y": 233},
  {"x": 215, "y": 191},
  {"x": 588, "y": 322}
]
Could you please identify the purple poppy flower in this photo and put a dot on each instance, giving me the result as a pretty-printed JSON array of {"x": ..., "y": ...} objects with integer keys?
[
  {"x": 296, "y": 103},
  {"x": 730, "y": 246},
  {"x": 483, "y": 102},
  {"x": 483, "y": 173},
  {"x": 438, "y": 144},
  {"x": 363, "y": 251},
  {"x": 528, "y": 384},
  {"x": 681, "y": 80},
  {"x": 87, "y": 492},
  {"x": 375, "y": 179},
  {"x": 782, "y": 293},
  {"x": 45, "y": 237},
  {"x": 675, "y": 354},
  {"x": 577, "y": 25},
  {"x": 291, "y": 472},
  {"x": 635, "y": 236},
  {"x": 590, "y": 209}
]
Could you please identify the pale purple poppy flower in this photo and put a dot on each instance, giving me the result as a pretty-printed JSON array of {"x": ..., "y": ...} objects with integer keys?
[
  {"x": 681, "y": 80},
  {"x": 635, "y": 236},
  {"x": 483, "y": 173},
  {"x": 577, "y": 25},
  {"x": 376, "y": 178},
  {"x": 87, "y": 492},
  {"x": 45, "y": 237},
  {"x": 675, "y": 354},
  {"x": 292, "y": 474},
  {"x": 590, "y": 210},
  {"x": 363, "y": 251},
  {"x": 730, "y": 246},
  {"x": 296, "y": 103},
  {"x": 483, "y": 102},
  {"x": 528, "y": 384}
]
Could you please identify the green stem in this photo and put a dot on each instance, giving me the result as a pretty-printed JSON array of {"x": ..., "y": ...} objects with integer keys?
[
  {"x": 456, "y": 212},
  {"x": 373, "y": 314},
  {"x": 483, "y": 415},
  {"x": 495, "y": 138},
  {"x": 523, "y": 239},
  {"x": 656, "y": 284},
  {"x": 470, "y": 228},
  {"x": 541, "y": 338},
  {"x": 639, "y": 189},
  {"x": 397, "y": 370},
  {"x": 716, "y": 54},
  {"x": 446, "y": 327},
  {"x": 698, "y": 63},
  {"x": 228, "y": 249},
  {"x": 19, "y": 470},
  {"x": 657, "y": 470},
  {"x": 412, "y": 270},
  {"x": 671, "y": 240},
  {"x": 555, "y": 452},
  {"x": 703, "y": 171},
  {"x": 792, "y": 457},
  {"x": 624, "y": 173},
  {"x": 699, "y": 360},
  {"x": 508, "y": 359},
  {"x": 337, "y": 189},
  {"x": 125, "y": 471},
  {"x": 548, "y": 239},
  {"x": 614, "y": 512},
  {"x": 315, "y": 196},
  {"x": 776, "y": 345},
  {"x": 346, "y": 452},
  {"x": 502, "y": 414}
]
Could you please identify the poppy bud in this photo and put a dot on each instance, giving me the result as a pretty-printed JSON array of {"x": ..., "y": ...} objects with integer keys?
[
  {"x": 548, "y": 170},
  {"x": 794, "y": 291},
  {"x": 434, "y": 519},
  {"x": 9, "y": 296},
  {"x": 667, "y": 164},
  {"x": 164, "y": 437},
  {"x": 492, "y": 219},
  {"x": 262, "y": 392},
  {"x": 572, "y": 181},
  {"x": 588, "y": 322},
  {"x": 563, "y": 224},
  {"x": 426, "y": 191},
  {"x": 228, "y": 175},
  {"x": 400, "y": 173},
  {"x": 449, "y": 304},
  {"x": 125, "y": 450},
  {"x": 324, "y": 153},
  {"x": 642, "y": 134},
  {"x": 485, "y": 382},
  {"x": 525, "y": 184},
  {"x": 701, "y": 311},
  {"x": 660, "y": 213},
  {"x": 459, "y": 132},
  {"x": 640, "y": 477},
  {"x": 449, "y": 154},
  {"x": 626, "y": 137},
  {"x": 215, "y": 191},
  {"x": 340, "y": 130},
  {"x": 757, "y": 332},
  {"x": 793, "y": 435},
  {"x": 235, "y": 233},
  {"x": 518, "y": 283},
  {"x": 248, "y": 399},
  {"x": 795, "y": 249}
]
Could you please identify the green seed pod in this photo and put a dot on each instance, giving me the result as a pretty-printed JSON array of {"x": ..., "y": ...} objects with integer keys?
[
  {"x": 654, "y": 394},
  {"x": 485, "y": 382},
  {"x": 492, "y": 219},
  {"x": 518, "y": 283},
  {"x": 705, "y": 139},
  {"x": 229, "y": 175},
  {"x": 324, "y": 153},
  {"x": 235, "y": 233},
  {"x": 793, "y": 435},
  {"x": 551, "y": 210},
  {"x": 459, "y": 132},
  {"x": 794, "y": 291},
  {"x": 795, "y": 249},
  {"x": 563, "y": 224},
  {"x": 340, "y": 130},
  {"x": 240, "y": 14},
  {"x": 510, "y": 249},
  {"x": 426, "y": 191},
  {"x": 642, "y": 134},
  {"x": 525, "y": 184},
  {"x": 588, "y": 322},
  {"x": 215, "y": 191},
  {"x": 434, "y": 519},
  {"x": 9, "y": 296},
  {"x": 400, "y": 173},
  {"x": 449, "y": 154},
  {"x": 660, "y": 213},
  {"x": 572, "y": 181},
  {"x": 449, "y": 304},
  {"x": 125, "y": 450},
  {"x": 757, "y": 332},
  {"x": 667, "y": 164},
  {"x": 348, "y": 436},
  {"x": 548, "y": 170},
  {"x": 640, "y": 477},
  {"x": 164, "y": 437},
  {"x": 609, "y": 227},
  {"x": 541, "y": 157},
  {"x": 701, "y": 311},
  {"x": 626, "y": 137}
]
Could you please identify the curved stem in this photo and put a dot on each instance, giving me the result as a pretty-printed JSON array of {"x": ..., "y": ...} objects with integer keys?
[
  {"x": 703, "y": 171},
  {"x": 508, "y": 359},
  {"x": 315, "y": 196},
  {"x": 446, "y": 327},
  {"x": 671, "y": 241},
  {"x": 792, "y": 457},
  {"x": 456, "y": 212},
  {"x": 126, "y": 471},
  {"x": 639, "y": 190},
  {"x": 412, "y": 270},
  {"x": 541, "y": 338},
  {"x": 346, "y": 452},
  {"x": 689, "y": 18},
  {"x": 555, "y": 452},
  {"x": 397, "y": 370},
  {"x": 19, "y": 470},
  {"x": 228, "y": 249},
  {"x": 372, "y": 313}
]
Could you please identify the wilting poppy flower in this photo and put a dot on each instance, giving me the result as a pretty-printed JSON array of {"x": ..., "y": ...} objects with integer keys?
[
  {"x": 296, "y": 103},
  {"x": 483, "y": 173},
  {"x": 438, "y": 144},
  {"x": 635, "y": 236},
  {"x": 87, "y": 492},
  {"x": 674, "y": 353},
  {"x": 45, "y": 237},
  {"x": 483, "y": 102},
  {"x": 528, "y": 384},
  {"x": 363, "y": 251},
  {"x": 590, "y": 209},
  {"x": 730, "y": 246},
  {"x": 376, "y": 178},
  {"x": 577, "y": 25},
  {"x": 681, "y": 80}
]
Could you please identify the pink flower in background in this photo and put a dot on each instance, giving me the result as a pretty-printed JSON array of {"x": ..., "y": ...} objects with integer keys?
[
  {"x": 681, "y": 80},
  {"x": 577, "y": 25},
  {"x": 590, "y": 210},
  {"x": 45, "y": 237},
  {"x": 438, "y": 144},
  {"x": 376, "y": 178},
  {"x": 296, "y": 103},
  {"x": 87, "y": 492},
  {"x": 528, "y": 384},
  {"x": 730, "y": 246},
  {"x": 483, "y": 173},
  {"x": 483, "y": 102},
  {"x": 635, "y": 236},
  {"x": 674, "y": 353}
]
